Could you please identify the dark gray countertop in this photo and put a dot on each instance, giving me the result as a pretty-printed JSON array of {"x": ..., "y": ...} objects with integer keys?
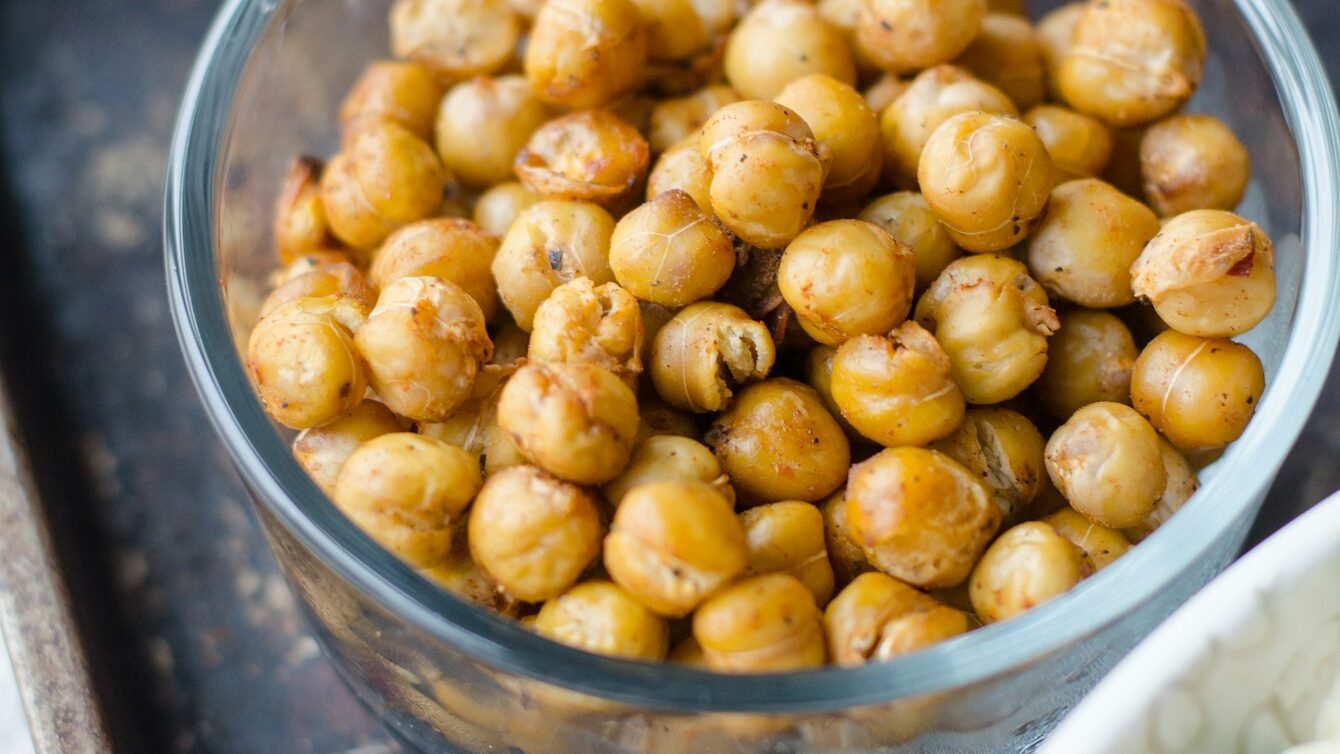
[{"x": 198, "y": 642}]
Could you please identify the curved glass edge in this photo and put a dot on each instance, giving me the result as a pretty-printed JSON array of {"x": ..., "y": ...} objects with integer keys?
[{"x": 263, "y": 461}]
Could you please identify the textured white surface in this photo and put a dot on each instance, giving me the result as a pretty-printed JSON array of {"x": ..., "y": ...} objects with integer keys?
[{"x": 14, "y": 735}]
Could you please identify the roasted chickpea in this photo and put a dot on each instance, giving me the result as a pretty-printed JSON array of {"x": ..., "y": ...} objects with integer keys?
[
  {"x": 1133, "y": 61},
  {"x": 398, "y": 91},
  {"x": 845, "y": 278},
  {"x": 549, "y": 244},
  {"x": 906, "y": 216},
  {"x": 682, "y": 167},
  {"x": 778, "y": 442},
  {"x": 385, "y": 178},
  {"x": 587, "y": 156},
  {"x": 1100, "y": 545},
  {"x": 669, "y": 252},
  {"x": 845, "y": 555},
  {"x": 300, "y": 224},
  {"x": 884, "y": 91},
  {"x": 779, "y": 41},
  {"x": 1199, "y": 392},
  {"x": 575, "y": 420},
  {"x": 819, "y": 375},
  {"x": 1182, "y": 484},
  {"x": 601, "y": 617},
  {"x": 460, "y": 575},
  {"x": 987, "y": 177},
  {"x": 319, "y": 281},
  {"x": 788, "y": 537},
  {"x": 1105, "y": 460},
  {"x": 1193, "y": 162},
  {"x": 1007, "y": 53},
  {"x": 473, "y": 426},
  {"x": 302, "y": 360},
  {"x": 877, "y": 618},
  {"x": 457, "y": 251},
  {"x": 904, "y": 35},
  {"x": 1208, "y": 273},
  {"x": 1080, "y": 146},
  {"x": 674, "y": 120},
  {"x": 1056, "y": 33},
  {"x": 675, "y": 31},
  {"x": 455, "y": 38},
  {"x": 533, "y": 533},
  {"x": 761, "y": 625},
  {"x": 1030, "y": 564},
  {"x": 920, "y": 516},
  {"x": 845, "y": 124},
  {"x": 659, "y": 419},
  {"x": 586, "y": 53},
  {"x": 407, "y": 492},
  {"x": 582, "y": 322},
  {"x": 706, "y": 351},
  {"x": 1004, "y": 450},
  {"x": 669, "y": 458},
  {"x": 323, "y": 450},
  {"x": 672, "y": 543},
  {"x": 1089, "y": 236},
  {"x": 497, "y": 208},
  {"x": 993, "y": 321},
  {"x": 1088, "y": 360},
  {"x": 934, "y": 96},
  {"x": 483, "y": 123}
]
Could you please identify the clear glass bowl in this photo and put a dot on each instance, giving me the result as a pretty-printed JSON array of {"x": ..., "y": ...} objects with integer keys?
[{"x": 448, "y": 676}]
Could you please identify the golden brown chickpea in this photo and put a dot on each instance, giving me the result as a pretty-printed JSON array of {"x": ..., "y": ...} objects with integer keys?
[
  {"x": 1182, "y": 484},
  {"x": 586, "y": 53},
  {"x": 675, "y": 29},
  {"x": 934, "y": 96},
  {"x": 460, "y": 575},
  {"x": 549, "y": 244},
  {"x": 654, "y": 317},
  {"x": 1199, "y": 392},
  {"x": 884, "y": 91},
  {"x": 1089, "y": 236},
  {"x": 300, "y": 223},
  {"x": 672, "y": 543},
  {"x": 987, "y": 177},
  {"x": 587, "y": 156},
  {"x": 1004, "y": 450},
  {"x": 385, "y": 178},
  {"x": 845, "y": 124},
  {"x": 533, "y": 533},
  {"x": 1193, "y": 162},
  {"x": 1132, "y": 61},
  {"x": 455, "y": 39},
  {"x": 674, "y": 120},
  {"x": 321, "y": 280},
  {"x": 1008, "y": 54},
  {"x": 1088, "y": 360},
  {"x": 1208, "y": 273},
  {"x": 765, "y": 624},
  {"x": 896, "y": 389},
  {"x": 788, "y": 537},
  {"x": 778, "y": 442},
  {"x": 576, "y": 421},
  {"x": 682, "y": 167},
  {"x": 457, "y": 251},
  {"x": 307, "y": 262},
  {"x": 906, "y": 216},
  {"x": 407, "y": 492},
  {"x": 497, "y": 208},
  {"x": 993, "y": 321},
  {"x": 323, "y": 450},
  {"x": 706, "y": 351},
  {"x": 1056, "y": 32},
  {"x": 399, "y": 91},
  {"x": 585, "y": 323},
  {"x": 663, "y": 458},
  {"x": 474, "y": 425},
  {"x": 660, "y": 420},
  {"x": 1100, "y": 545},
  {"x": 423, "y": 344},
  {"x": 1080, "y": 146},
  {"x": 920, "y": 516},
  {"x": 779, "y": 41},
  {"x": 846, "y": 556},
  {"x": 1030, "y": 564},
  {"x": 904, "y": 35},
  {"x": 669, "y": 252},
  {"x": 845, "y": 278},
  {"x": 302, "y": 360},
  {"x": 877, "y": 618},
  {"x": 1105, "y": 460},
  {"x": 601, "y": 617},
  {"x": 483, "y": 123},
  {"x": 819, "y": 375}
]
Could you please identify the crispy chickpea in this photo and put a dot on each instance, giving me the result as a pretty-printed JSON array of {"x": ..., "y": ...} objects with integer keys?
[
  {"x": 483, "y": 123},
  {"x": 1208, "y": 273},
  {"x": 1004, "y": 450},
  {"x": 1191, "y": 162},
  {"x": 993, "y": 321},
  {"x": 819, "y": 375},
  {"x": 1199, "y": 392},
  {"x": 1030, "y": 564},
  {"x": 455, "y": 39},
  {"x": 549, "y": 244},
  {"x": 672, "y": 543},
  {"x": 1089, "y": 236},
  {"x": 674, "y": 120},
  {"x": 906, "y": 216},
  {"x": 844, "y": 16},
  {"x": 987, "y": 177},
  {"x": 1088, "y": 360},
  {"x": 845, "y": 278},
  {"x": 457, "y": 251},
  {"x": 904, "y": 35},
  {"x": 845, "y": 124},
  {"x": 778, "y": 442},
  {"x": 601, "y": 617},
  {"x": 1100, "y": 545},
  {"x": 497, "y": 208},
  {"x": 920, "y": 516},
  {"x": 323, "y": 450},
  {"x": 407, "y": 492},
  {"x": 584, "y": 323},
  {"x": 1182, "y": 484},
  {"x": 1007, "y": 53},
  {"x": 877, "y": 618},
  {"x": 779, "y": 41},
  {"x": 1080, "y": 146},
  {"x": 764, "y": 624},
  {"x": 788, "y": 537},
  {"x": 400, "y": 91},
  {"x": 896, "y": 389},
  {"x": 934, "y": 96},
  {"x": 663, "y": 458},
  {"x": 1132, "y": 61},
  {"x": 675, "y": 32},
  {"x": 533, "y": 533},
  {"x": 670, "y": 252},
  {"x": 586, "y": 53},
  {"x": 682, "y": 167},
  {"x": 1056, "y": 32},
  {"x": 460, "y": 575},
  {"x": 423, "y": 343},
  {"x": 884, "y": 91},
  {"x": 706, "y": 351},
  {"x": 846, "y": 556},
  {"x": 1105, "y": 460},
  {"x": 660, "y": 420},
  {"x": 587, "y": 156},
  {"x": 319, "y": 281},
  {"x": 474, "y": 426},
  {"x": 302, "y": 360},
  {"x": 577, "y": 421},
  {"x": 385, "y": 178},
  {"x": 308, "y": 261},
  {"x": 300, "y": 223}
]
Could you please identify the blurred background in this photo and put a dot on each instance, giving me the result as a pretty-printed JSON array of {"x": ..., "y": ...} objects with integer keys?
[{"x": 196, "y": 642}]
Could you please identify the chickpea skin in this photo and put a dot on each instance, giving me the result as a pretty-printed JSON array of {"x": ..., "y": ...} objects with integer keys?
[
  {"x": 788, "y": 537},
  {"x": 399, "y": 91},
  {"x": 779, "y": 41},
  {"x": 877, "y": 618},
  {"x": 454, "y": 39},
  {"x": 483, "y": 123},
  {"x": 761, "y": 625},
  {"x": 587, "y": 156},
  {"x": 323, "y": 450},
  {"x": 669, "y": 458},
  {"x": 302, "y": 360},
  {"x": 906, "y": 216},
  {"x": 549, "y": 244},
  {"x": 1193, "y": 161},
  {"x": 1199, "y": 392},
  {"x": 670, "y": 252},
  {"x": 706, "y": 351},
  {"x": 1004, "y": 450},
  {"x": 1088, "y": 360},
  {"x": 385, "y": 178},
  {"x": 600, "y": 617},
  {"x": 845, "y": 124},
  {"x": 1030, "y": 564},
  {"x": 585, "y": 323},
  {"x": 586, "y": 53},
  {"x": 1106, "y": 461},
  {"x": 457, "y": 251},
  {"x": 905, "y": 35}
]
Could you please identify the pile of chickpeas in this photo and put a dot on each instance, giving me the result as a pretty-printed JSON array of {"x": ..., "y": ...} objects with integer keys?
[{"x": 756, "y": 336}]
